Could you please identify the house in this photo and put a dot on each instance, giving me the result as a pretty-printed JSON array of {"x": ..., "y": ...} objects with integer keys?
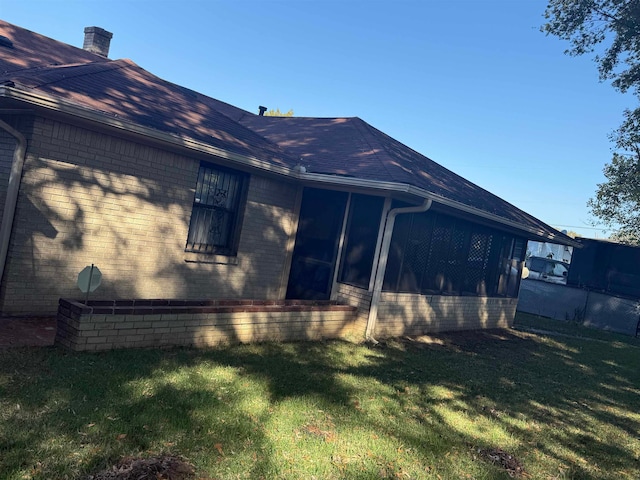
[{"x": 177, "y": 195}]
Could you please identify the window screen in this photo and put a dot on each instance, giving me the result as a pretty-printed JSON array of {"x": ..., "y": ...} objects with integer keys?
[
  {"x": 361, "y": 238},
  {"x": 432, "y": 253}
]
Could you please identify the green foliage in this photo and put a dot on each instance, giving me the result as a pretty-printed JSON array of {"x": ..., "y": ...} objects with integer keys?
[
  {"x": 617, "y": 201},
  {"x": 611, "y": 30},
  {"x": 278, "y": 113},
  {"x": 588, "y": 24}
]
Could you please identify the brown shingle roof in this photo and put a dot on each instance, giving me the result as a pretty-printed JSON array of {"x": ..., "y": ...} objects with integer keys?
[
  {"x": 32, "y": 50},
  {"x": 351, "y": 147},
  {"x": 334, "y": 146},
  {"x": 122, "y": 89}
]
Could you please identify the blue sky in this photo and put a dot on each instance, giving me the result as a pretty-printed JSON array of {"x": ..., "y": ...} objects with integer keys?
[{"x": 474, "y": 85}]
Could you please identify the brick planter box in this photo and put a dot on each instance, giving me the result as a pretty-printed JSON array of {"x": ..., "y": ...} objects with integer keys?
[{"x": 104, "y": 325}]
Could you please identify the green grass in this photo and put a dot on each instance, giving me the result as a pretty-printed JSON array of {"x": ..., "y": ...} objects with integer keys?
[
  {"x": 565, "y": 407},
  {"x": 525, "y": 321}
]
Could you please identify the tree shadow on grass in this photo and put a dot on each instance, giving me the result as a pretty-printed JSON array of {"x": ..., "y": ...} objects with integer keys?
[{"x": 230, "y": 410}]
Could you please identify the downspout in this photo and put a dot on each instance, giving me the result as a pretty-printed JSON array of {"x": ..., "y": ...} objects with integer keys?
[
  {"x": 382, "y": 262},
  {"x": 15, "y": 177}
]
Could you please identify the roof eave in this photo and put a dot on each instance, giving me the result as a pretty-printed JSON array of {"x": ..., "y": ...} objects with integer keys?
[
  {"x": 88, "y": 114},
  {"x": 422, "y": 193}
]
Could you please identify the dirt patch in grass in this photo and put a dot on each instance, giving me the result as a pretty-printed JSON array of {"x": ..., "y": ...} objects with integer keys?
[
  {"x": 467, "y": 340},
  {"x": 165, "y": 467},
  {"x": 504, "y": 460}
]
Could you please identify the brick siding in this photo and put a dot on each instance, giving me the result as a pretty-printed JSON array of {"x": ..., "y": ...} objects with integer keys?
[
  {"x": 162, "y": 323},
  {"x": 409, "y": 314},
  {"x": 357, "y": 297},
  {"x": 88, "y": 197}
]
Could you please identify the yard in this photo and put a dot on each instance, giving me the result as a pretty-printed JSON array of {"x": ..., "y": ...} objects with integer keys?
[{"x": 483, "y": 405}]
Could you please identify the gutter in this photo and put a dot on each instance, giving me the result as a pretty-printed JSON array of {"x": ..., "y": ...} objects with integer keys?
[
  {"x": 19, "y": 154},
  {"x": 425, "y": 194},
  {"x": 81, "y": 112},
  {"x": 381, "y": 267}
]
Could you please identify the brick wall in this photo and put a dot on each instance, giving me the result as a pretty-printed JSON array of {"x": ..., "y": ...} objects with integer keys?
[
  {"x": 154, "y": 323},
  {"x": 356, "y": 297},
  {"x": 409, "y": 314},
  {"x": 88, "y": 197}
]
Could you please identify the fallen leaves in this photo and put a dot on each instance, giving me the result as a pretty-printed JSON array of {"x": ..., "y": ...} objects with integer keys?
[{"x": 165, "y": 467}]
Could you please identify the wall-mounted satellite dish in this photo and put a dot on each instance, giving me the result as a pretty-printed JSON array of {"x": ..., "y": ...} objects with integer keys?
[{"x": 89, "y": 279}]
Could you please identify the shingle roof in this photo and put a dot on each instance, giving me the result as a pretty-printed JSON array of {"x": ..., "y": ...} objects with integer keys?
[
  {"x": 334, "y": 146},
  {"x": 352, "y": 147},
  {"x": 122, "y": 89},
  {"x": 32, "y": 50}
]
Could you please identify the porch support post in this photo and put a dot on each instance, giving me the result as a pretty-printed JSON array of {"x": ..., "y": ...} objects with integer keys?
[{"x": 382, "y": 262}]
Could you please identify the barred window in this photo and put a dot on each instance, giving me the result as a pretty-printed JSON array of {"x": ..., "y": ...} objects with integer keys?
[{"x": 217, "y": 210}]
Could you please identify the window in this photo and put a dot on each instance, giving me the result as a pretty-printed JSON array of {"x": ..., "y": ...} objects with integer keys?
[
  {"x": 217, "y": 211},
  {"x": 431, "y": 253}
]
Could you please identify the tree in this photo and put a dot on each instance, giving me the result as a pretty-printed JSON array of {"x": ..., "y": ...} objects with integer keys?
[
  {"x": 611, "y": 30},
  {"x": 278, "y": 113}
]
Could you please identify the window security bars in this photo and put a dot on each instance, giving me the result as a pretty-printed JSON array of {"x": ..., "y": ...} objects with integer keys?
[{"x": 215, "y": 212}]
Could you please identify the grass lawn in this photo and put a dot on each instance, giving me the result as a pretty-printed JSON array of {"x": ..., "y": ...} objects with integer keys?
[{"x": 564, "y": 407}]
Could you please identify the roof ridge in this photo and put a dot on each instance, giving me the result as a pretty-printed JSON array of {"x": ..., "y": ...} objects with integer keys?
[{"x": 361, "y": 125}]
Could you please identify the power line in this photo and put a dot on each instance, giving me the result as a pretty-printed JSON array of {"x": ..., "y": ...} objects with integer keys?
[{"x": 585, "y": 228}]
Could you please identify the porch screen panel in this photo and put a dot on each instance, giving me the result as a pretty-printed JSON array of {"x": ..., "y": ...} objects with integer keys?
[
  {"x": 397, "y": 248},
  {"x": 416, "y": 255},
  {"x": 432, "y": 253},
  {"x": 456, "y": 265},
  {"x": 361, "y": 237},
  {"x": 477, "y": 264},
  {"x": 435, "y": 274}
]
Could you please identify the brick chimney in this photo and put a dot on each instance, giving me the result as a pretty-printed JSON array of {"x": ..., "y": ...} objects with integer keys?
[{"x": 97, "y": 40}]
